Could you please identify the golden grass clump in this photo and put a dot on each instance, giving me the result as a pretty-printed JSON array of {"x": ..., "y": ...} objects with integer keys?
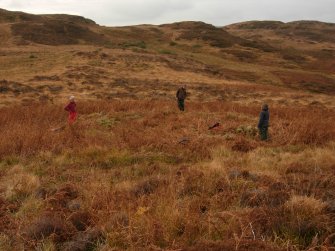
[
  {"x": 19, "y": 183},
  {"x": 5, "y": 242},
  {"x": 305, "y": 208},
  {"x": 306, "y": 219}
]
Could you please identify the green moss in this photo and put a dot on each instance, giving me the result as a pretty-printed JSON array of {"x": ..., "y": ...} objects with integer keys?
[
  {"x": 107, "y": 122},
  {"x": 9, "y": 161},
  {"x": 248, "y": 130},
  {"x": 139, "y": 44}
]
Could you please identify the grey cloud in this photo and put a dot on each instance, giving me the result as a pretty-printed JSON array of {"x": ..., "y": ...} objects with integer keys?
[
  {"x": 218, "y": 12},
  {"x": 136, "y": 12},
  {"x": 13, "y": 4}
]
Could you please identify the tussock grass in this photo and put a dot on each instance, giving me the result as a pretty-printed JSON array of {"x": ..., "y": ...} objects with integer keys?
[
  {"x": 133, "y": 185},
  {"x": 20, "y": 184},
  {"x": 29, "y": 131}
]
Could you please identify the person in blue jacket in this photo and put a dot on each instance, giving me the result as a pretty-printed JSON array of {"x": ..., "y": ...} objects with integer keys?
[
  {"x": 263, "y": 122},
  {"x": 181, "y": 96}
]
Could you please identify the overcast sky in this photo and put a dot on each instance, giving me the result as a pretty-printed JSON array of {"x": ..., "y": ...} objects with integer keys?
[{"x": 217, "y": 12}]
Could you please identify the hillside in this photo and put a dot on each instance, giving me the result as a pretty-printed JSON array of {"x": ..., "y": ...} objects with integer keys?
[
  {"x": 310, "y": 31},
  {"x": 135, "y": 173},
  {"x": 253, "y": 52},
  {"x": 310, "y": 44}
]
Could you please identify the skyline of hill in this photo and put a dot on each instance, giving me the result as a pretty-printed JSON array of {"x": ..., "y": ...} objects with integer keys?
[{"x": 291, "y": 56}]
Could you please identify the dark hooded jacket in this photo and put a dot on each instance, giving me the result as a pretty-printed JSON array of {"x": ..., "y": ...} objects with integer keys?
[
  {"x": 181, "y": 93},
  {"x": 264, "y": 118}
]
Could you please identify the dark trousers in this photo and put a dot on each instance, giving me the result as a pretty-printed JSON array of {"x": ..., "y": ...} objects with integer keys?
[
  {"x": 181, "y": 104},
  {"x": 263, "y": 132}
]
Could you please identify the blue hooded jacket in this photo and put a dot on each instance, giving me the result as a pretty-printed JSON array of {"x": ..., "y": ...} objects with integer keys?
[{"x": 264, "y": 118}]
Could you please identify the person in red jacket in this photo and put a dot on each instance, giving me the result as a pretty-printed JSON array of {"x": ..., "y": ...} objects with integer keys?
[{"x": 71, "y": 108}]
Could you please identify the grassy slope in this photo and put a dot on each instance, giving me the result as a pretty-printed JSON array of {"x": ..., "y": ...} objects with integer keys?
[
  {"x": 123, "y": 164},
  {"x": 134, "y": 173}
]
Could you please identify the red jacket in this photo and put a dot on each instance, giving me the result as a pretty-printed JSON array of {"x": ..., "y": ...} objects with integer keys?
[{"x": 71, "y": 107}]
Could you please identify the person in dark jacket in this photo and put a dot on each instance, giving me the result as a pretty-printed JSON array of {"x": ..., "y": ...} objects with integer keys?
[
  {"x": 181, "y": 96},
  {"x": 71, "y": 108},
  {"x": 263, "y": 123}
]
